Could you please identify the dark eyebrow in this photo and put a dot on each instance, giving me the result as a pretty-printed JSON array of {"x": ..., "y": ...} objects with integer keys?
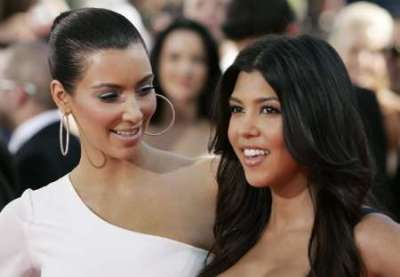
[
  {"x": 258, "y": 100},
  {"x": 141, "y": 82},
  {"x": 106, "y": 85},
  {"x": 145, "y": 79}
]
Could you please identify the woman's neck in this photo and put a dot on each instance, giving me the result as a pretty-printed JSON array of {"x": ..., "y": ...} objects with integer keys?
[
  {"x": 291, "y": 210},
  {"x": 186, "y": 112},
  {"x": 96, "y": 167}
]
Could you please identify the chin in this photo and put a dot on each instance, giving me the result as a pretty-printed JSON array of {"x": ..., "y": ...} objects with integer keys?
[{"x": 257, "y": 182}]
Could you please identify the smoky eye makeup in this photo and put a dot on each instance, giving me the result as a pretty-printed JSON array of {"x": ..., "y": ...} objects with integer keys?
[
  {"x": 108, "y": 96},
  {"x": 270, "y": 109},
  {"x": 146, "y": 89}
]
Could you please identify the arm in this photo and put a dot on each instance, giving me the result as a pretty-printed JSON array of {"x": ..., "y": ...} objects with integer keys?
[
  {"x": 15, "y": 260},
  {"x": 378, "y": 238}
]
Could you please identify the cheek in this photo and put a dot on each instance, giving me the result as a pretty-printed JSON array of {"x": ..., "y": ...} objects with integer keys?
[
  {"x": 148, "y": 108},
  {"x": 167, "y": 68},
  {"x": 201, "y": 73},
  {"x": 232, "y": 134},
  {"x": 90, "y": 119}
]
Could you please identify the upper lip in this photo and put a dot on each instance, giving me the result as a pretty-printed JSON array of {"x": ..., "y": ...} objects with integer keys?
[
  {"x": 127, "y": 129},
  {"x": 242, "y": 148}
]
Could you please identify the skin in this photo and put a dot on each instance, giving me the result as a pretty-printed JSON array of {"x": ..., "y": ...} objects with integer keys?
[
  {"x": 139, "y": 188},
  {"x": 210, "y": 13},
  {"x": 365, "y": 61},
  {"x": 183, "y": 73},
  {"x": 183, "y": 69},
  {"x": 256, "y": 122}
]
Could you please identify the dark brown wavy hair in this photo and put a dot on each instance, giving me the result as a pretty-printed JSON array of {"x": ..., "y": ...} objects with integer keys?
[{"x": 322, "y": 131}]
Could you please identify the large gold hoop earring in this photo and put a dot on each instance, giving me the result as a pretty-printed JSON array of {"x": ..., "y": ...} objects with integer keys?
[
  {"x": 172, "y": 119},
  {"x": 64, "y": 122}
]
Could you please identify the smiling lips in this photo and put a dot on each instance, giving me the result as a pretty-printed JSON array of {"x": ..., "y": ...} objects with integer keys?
[
  {"x": 127, "y": 135},
  {"x": 254, "y": 156}
]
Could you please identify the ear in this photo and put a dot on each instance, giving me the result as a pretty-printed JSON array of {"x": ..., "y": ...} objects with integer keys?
[
  {"x": 20, "y": 96},
  {"x": 293, "y": 29},
  {"x": 60, "y": 97}
]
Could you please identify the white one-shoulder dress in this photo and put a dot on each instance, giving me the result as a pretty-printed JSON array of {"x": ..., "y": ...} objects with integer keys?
[{"x": 51, "y": 233}]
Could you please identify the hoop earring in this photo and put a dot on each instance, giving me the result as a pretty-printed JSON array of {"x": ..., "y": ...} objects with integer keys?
[
  {"x": 172, "y": 119},
  {"x": 64, "y": 122},
  {"x": 99, "y": 166},
  {"x": 92, "y": 163}
]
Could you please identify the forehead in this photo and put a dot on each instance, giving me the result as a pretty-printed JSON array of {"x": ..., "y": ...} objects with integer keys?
[
  {"x": 252, "y": 85},
  {"x": 129, "y": 64},
  {"x": 184, "y": 40},
  {"x": 192, "y": 4}
]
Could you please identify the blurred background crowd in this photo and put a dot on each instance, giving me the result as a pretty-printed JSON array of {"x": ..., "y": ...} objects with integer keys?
[{"x": 190, "y": 43}]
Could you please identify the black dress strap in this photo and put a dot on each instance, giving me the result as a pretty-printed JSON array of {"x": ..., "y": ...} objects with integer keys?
[{"x": 368, "y": 210}]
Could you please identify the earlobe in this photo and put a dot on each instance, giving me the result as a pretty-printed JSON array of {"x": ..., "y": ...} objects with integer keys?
[{"x": 60, "y": 96}]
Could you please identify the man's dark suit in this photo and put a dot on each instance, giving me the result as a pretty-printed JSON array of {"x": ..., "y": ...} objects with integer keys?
[
  {"x": 39, "y": 160},
  {"x": 8, "y": 181},
  {"x": 373, "y": 122}
]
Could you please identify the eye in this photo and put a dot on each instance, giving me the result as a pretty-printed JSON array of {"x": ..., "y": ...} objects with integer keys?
[
  {"x": 145, "y": 90},
  {"x": 108, "y": 97},
  {"x": 198, "y": 60},
  {"x": 174, "y": 57},
  {"x": 235, "y": 109},
  {"x": 269, "y": 110}
]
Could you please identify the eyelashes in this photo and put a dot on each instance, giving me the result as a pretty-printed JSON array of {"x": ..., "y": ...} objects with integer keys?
[
  {"x": 146, "y": 90},
  {"x": 266, "y": 109},
  {"x": 108, "y": 97},
  {"x": 270, "y": 110},
  {"x": 115, "y": 95}
]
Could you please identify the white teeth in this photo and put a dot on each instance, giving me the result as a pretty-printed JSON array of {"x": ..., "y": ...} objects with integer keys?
[
  {"x": 251, "y": 152},
  {"x": 126, "y": 133}
]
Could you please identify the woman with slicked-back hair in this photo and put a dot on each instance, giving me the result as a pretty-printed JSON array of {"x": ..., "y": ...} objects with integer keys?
[
  {"x": 295, "y": 171},
  {"x": 127, "y": 209}
]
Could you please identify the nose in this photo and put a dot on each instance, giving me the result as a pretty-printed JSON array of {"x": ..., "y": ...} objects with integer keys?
[
  {"x": 132, "y": 111},
  {"x": 186, "y": 68},
  {"x": 249, "y": 126}
]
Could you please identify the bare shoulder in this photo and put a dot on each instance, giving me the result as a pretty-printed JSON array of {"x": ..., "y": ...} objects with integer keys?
[
  {"x": 378, "y": 239},
  {"x": 167, "y": 162},
  {"x": 201, "y": 170}
]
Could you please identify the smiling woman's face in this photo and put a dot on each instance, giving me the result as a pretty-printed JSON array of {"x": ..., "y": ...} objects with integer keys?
[
  {"x": 256, "y": 132},
  {"x": 114, "y": 100},
  {"x": 183, "y": 67}
]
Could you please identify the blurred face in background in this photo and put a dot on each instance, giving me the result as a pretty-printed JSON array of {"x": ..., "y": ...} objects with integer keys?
[
  {"x": 6, "y": 94},
  {"x": 210, "y": 13},
  {"x": 393, "y": 59},
  {"x": 183, "y": 66},
  {"x": 364, "y": 57}
]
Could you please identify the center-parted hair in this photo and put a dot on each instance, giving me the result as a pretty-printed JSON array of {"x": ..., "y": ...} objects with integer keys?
[
  {"x": 76, "y": 34},
  {"x": 211, "y": 60},
  {"x": 322, "y": 131}
]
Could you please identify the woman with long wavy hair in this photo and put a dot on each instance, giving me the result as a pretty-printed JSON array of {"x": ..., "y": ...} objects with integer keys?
[{"x": 295, "y": 172}]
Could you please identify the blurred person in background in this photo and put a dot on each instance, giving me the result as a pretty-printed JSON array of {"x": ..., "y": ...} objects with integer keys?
[
  {"x": 27, "y": 20},
  {"x": 30, "y": 114},
  {"x": 361, "y": 34},
  {"x": 210, "y": 13},
  {"x": 185, "y": 61},
  {"x": 8, "y": 178},
  {"x": 248, "y": 20}
]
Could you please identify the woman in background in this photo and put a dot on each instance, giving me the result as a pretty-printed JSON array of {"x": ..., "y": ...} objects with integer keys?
[
  {"x": 295, "y": 170},
  {"x": 185, "y": 62}
]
